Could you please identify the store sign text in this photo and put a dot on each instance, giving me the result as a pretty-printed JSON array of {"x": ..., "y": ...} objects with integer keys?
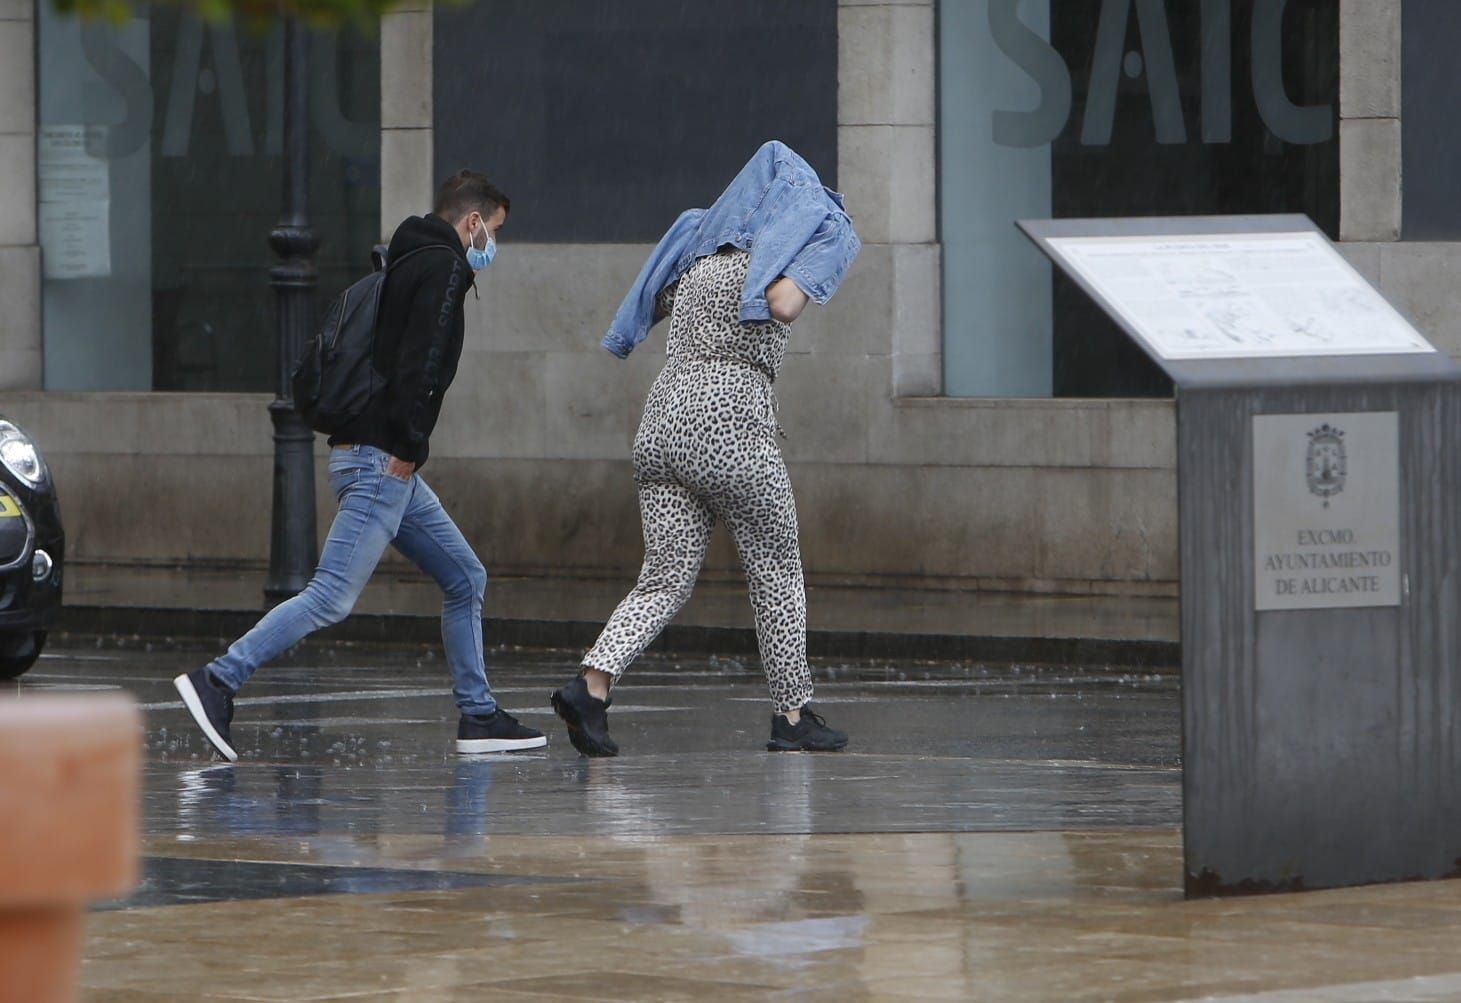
[{"x": 1297, "y": 124}]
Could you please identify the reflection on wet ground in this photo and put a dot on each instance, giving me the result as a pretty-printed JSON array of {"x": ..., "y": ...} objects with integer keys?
[
  {"x": 991, "y": 834},
  {"x": 362, "y": 745},
  {"x": 190, "y": 880}
]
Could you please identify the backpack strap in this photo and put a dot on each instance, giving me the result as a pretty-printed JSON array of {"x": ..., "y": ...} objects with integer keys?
[{"x": 389, "y": 264}]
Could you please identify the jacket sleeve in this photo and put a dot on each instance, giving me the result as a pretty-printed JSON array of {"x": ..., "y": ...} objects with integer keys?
[
  {"x": 777, "y": 245},
  {"x": 820, "y": 266},
  {"x": 421, "y": 360},
  {"x": 793, "y": 209},
  {"x": 636, "y": 314}
]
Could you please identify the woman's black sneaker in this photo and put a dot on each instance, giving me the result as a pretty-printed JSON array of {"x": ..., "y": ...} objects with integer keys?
[
  {"x": 810, "y": 734},
  {"x": 587, "y": 718},
  {"x": 212, "y": 708},
  {"x": 496, "y": 732}
]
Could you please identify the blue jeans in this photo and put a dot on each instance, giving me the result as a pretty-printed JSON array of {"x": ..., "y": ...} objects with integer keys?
[{"x": 377, "y": 510}]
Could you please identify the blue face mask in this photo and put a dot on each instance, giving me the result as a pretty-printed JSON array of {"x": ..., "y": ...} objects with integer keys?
[{"x": 480, "y": 258}]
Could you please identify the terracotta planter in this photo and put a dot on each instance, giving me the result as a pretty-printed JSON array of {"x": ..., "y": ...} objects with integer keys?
[{"x": 69, "y": 801}]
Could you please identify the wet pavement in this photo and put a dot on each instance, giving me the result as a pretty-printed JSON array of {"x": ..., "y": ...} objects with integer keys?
[
  {"x": 361, "y": 745},
  {"x": 992, "y": 833}
]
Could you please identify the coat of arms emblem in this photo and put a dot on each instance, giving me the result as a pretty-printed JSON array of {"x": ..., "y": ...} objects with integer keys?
[{"x": 1325, "y": 464}]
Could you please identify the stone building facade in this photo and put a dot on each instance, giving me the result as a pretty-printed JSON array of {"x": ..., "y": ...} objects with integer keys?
[{"x": 898, "y": 480}]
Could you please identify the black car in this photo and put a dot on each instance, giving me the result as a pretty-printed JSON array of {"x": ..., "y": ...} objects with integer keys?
[{"x": 31, "y": 548}]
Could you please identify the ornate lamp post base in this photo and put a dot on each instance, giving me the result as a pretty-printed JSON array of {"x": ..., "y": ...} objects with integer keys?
[{"x": 292, "y": 544}]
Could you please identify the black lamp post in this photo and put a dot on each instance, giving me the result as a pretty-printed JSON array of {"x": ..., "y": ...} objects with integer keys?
[{"x": 292, "y": 546}]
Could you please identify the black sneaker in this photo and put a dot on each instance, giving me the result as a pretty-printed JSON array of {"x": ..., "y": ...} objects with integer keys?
[
  {"x": 810, "y": 734},
  {"x": 496, "y": 732},
  {"x": 587, "y": 719},
  {"x": 212, "y": 708}
]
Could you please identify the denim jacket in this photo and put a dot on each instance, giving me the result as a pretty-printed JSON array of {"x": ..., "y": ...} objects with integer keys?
[{"x": 779, "y": 211}]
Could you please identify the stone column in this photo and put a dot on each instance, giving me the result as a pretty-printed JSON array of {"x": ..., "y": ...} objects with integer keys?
[
  {"x": 887, "y": 167},
  {"x": 406, "y": 169},
  {"x": 1419, "y": 277},
  {"x": 20, "y": 257},
  {"x": 1369, "y": 126}
]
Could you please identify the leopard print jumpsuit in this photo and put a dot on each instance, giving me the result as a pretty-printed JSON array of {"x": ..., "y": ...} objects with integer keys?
[{"x": 707, "y": 450}]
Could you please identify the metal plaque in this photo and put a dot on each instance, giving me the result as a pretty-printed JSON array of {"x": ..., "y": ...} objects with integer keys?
[
  {"x": 1238, "y": 295},
  {"x": 1326, "y": 510}
]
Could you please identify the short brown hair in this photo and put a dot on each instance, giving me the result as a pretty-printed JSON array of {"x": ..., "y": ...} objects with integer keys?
[{"x": 468, "y": 191}]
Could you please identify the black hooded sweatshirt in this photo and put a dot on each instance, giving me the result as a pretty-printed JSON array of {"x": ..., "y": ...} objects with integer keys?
[{"x": 418, "y": 342}]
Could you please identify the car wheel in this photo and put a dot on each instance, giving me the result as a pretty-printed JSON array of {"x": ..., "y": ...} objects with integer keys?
[{"x": 19, "y": 652}]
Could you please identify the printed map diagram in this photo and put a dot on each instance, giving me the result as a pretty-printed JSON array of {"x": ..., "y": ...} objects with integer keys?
[{"x": 1217, "y": 296}]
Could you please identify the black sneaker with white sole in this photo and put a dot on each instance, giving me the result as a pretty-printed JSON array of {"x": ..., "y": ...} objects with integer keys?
[
  {"x": 810, "y": 734},
  {"x": 587, "y": 718},
  {"x": 212, "y": 708},
  {"x": 496, "y": 732}
]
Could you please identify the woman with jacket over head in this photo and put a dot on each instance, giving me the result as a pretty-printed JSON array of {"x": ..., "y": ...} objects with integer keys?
[{"x": 732, "y": 279}]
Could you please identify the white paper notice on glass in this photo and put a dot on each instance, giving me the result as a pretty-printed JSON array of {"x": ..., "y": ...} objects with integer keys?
[
  {"x": 73, "y": 181},
  {"x": 75, "y": 240},
  {"x": 1241, "y": 295},
  {"x": 70, "y": 166}
]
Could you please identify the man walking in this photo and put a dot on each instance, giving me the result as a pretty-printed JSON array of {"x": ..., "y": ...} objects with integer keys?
[{"x": 374, "y": 472}]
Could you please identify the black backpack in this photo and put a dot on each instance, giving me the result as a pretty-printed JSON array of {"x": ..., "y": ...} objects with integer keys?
[{"x": 335, "y": 377}]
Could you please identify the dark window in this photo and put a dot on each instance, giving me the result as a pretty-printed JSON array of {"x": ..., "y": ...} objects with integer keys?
[
  {"x": 213, "y": 308},
  {"x": 1431, "y": 143},
  {"x": 160, "y": 179},
  {"x": 1175, "y": 154},
  {"x": 1111, "y": 108},
  {"x": 603, "y": 120}
]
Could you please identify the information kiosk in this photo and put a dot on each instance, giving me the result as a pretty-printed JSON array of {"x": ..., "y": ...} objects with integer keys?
[{"x": 1318, "y": 467}]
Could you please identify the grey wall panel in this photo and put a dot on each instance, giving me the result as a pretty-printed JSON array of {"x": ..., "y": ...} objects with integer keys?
[{"x": 1319, "y": 746}]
